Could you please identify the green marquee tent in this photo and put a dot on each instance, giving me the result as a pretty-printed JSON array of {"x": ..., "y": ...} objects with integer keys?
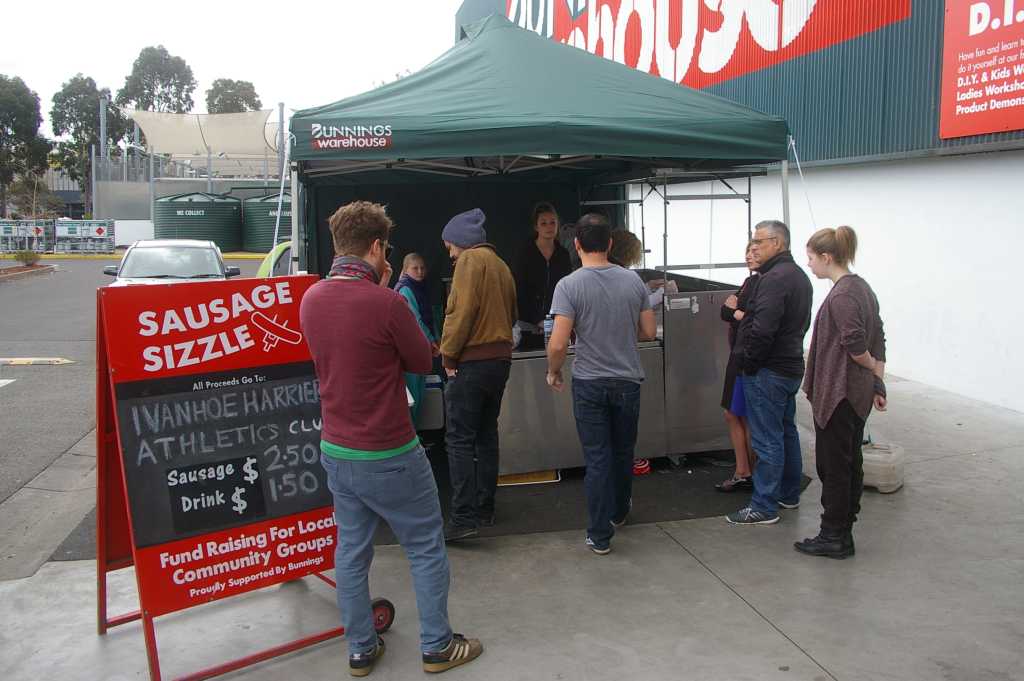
[{"x": 505, "y": 100}]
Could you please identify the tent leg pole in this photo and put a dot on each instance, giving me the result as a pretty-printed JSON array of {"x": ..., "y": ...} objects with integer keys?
[
  {"x": 750, "y": 211},
  {"x": 785, "y": 189},
  {"x": 664, "y": 229},
  {"x": 294, "y": 268},
  {"x": 643, "y": 225}
]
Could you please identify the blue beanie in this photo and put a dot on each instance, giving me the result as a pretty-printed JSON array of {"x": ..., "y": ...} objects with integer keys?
[{"x": 466, "y": 230}]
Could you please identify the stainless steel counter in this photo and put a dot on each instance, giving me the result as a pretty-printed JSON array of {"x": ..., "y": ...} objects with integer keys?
[{"x": 537, "y": 428}]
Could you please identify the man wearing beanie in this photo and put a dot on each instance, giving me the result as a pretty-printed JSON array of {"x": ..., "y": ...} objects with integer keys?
[{"x": 476, "y": 350}]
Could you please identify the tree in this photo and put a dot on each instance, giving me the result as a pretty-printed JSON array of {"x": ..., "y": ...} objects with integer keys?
[
  {"x": 75, "y": 114},
  {"x": 32, "y": 199},
  {"x": 159, "y": 81},
  {"x": 19, "y": 127},
  {"x": 232, "y": 96}
]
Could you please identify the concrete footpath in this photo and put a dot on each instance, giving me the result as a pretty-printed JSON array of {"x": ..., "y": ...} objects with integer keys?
[{"x": 934, "y": 592}]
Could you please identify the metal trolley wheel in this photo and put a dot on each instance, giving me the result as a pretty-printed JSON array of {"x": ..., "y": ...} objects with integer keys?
[{"x": 383, "y": 614}]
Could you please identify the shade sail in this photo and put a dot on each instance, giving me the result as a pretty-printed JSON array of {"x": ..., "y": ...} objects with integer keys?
[
  {"x": 238, "y": 142},
  {"x": 505, "y": 91}
]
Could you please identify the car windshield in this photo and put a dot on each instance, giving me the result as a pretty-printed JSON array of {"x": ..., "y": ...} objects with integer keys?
[{"x": 171, "y": 262}]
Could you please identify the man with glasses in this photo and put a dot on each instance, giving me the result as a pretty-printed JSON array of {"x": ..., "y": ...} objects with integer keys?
[
  {"x": 772, "y": 336},
  {"x": 362, "y": 337},
  {"x": 476, "y": 351}
]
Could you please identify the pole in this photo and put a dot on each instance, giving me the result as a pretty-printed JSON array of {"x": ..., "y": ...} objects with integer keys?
[
  {"x": 294, "y": 268},
  {"x": 103, "y": 128},
  {"x": 281, "y": 152},
  {"x": 785, "y": 187},
  {"x": 92, "y": 180},
  {"x": 664, "y": 232},
  {"x": 152, "y": 188},
  {"x": 209, "y": 170},
  {"x": 750, "y": 211},
  {"x": 280, "y": 201}
]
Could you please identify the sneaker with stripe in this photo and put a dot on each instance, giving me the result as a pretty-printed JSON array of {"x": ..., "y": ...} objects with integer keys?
[
  {"x": 460, "y": 651},
  {"x": 361, "y": 664},
  {"x": 748, "y": 516}
]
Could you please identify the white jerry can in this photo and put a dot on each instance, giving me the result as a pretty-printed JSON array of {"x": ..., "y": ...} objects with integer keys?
[{"x": 883, "y": 467}]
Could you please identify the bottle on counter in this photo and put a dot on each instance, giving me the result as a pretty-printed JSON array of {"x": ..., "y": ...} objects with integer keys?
[{"x": 549, "y": 326}]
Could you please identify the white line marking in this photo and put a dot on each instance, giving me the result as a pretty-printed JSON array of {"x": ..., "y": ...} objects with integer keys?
[{"x": 6, "y": 381}]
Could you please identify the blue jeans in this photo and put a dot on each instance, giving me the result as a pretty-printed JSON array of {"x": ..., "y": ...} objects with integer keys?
[
  {"x": 771, "y": 414},
  {"x": 401, "y": 491},
  {"x": 607, "y": 411}
]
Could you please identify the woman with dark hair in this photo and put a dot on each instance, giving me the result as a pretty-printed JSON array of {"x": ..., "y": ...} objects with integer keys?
[
  {"x": 845, "y": 368},
  {"x": 733, "y": 402},
  {"x": 540, "y": 264}
]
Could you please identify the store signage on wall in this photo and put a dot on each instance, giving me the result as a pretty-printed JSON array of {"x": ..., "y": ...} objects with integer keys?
[
  {"x": 982, "y": 68},
  {"x": 703, "y": 42}
]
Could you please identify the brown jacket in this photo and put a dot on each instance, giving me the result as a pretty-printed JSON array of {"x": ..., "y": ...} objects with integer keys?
[
  {"x": 481, "y": 309},
  {"x": 848, "y": 324}
]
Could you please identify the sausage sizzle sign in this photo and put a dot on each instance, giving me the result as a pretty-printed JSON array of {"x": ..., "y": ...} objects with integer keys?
[{"x": 216, "y": 408}]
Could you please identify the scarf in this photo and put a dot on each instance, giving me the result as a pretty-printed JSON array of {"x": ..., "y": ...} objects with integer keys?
[
  {"x": 354, "y": 268},
  {"x": 421, "y": 291}
]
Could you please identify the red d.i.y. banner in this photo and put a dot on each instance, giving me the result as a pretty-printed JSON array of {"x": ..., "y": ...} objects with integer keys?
[{"x": 982, "y": 68}]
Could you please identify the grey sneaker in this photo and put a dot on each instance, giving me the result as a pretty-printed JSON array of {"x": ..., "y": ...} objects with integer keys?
[
  {"x": 599, "y": 550},
  {"x": 622, "y": 521},
  {"x": 748, "y": 516}
]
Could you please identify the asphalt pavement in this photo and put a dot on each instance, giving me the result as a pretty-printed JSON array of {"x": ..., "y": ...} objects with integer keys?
[{"x": 46, "y": 410}]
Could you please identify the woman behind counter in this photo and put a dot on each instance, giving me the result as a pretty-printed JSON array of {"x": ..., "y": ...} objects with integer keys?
[
  {"x": 540, "y": 264},
  {"x": 412, "y": 286}
]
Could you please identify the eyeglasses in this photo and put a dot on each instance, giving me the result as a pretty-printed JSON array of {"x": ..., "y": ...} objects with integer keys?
[{"x": 758, "y": 242}]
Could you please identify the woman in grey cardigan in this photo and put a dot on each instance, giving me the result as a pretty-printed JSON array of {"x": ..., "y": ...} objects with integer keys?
[{"x": 845, "y": 367}]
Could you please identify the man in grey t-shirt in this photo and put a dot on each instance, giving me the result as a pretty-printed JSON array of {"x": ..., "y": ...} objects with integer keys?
[{"x": 609, "y": 309}]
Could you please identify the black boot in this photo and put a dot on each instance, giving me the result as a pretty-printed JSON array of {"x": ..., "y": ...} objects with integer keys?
[{"x": 826, "y": 544}]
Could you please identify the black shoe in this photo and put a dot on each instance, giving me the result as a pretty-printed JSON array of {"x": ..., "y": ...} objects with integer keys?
[
  {"x": 848, "y": 542},
  {"x": 458, "y": 652},
  {"x": 826, "y": 546},
  {"x": 453, "y": 532},
  {"x": 487, "y": 520},
  {"x": 361, "y": 664},
  {"x": 736, "y": 484}
]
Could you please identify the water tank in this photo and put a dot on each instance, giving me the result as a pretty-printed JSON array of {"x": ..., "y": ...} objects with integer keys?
[
  {"x": 260, "y": 219},
  {"x": 200, "y": 216}
]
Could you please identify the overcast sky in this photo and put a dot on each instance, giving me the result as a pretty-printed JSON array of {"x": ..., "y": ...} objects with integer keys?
[{"x": 313, "y": 53}]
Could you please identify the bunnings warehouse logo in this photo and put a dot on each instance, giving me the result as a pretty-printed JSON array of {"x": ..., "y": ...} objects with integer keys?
[{"x": 350, "y": 136}]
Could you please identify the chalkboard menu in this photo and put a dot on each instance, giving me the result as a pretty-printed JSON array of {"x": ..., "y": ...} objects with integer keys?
[
  {"x": 216, "y": 409},
  {"x": 224, "y": 450}
]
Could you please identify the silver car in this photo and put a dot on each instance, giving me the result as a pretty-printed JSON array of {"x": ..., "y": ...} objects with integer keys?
[{"x": 163, "y": 261}]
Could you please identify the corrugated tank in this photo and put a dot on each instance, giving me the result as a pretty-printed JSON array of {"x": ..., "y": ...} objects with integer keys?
[
  {"x": 260, "y": 219},
  {"x": 200, "y": 216}
]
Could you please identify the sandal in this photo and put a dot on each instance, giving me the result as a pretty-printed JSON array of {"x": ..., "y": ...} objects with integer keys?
[{"x": 735, "y": 483}]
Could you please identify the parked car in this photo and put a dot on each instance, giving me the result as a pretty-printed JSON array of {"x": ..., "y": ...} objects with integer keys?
[
  {"x": 162, "y": 261},
  {"x": 277, "y": 262}
]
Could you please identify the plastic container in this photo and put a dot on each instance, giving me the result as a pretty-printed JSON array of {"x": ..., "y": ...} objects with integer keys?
[
  {"x": 883, "y": 467},
  {"x": 549, "y": 326}
]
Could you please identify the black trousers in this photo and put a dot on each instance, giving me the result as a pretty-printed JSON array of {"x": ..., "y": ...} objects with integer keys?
[
  {"x": 840, "y": 464},
  {"x": 472, "y": 403}
]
